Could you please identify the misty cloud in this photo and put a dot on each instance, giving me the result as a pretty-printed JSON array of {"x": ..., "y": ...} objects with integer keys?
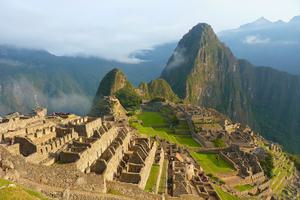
[
  {"x": 114, "y": 29},
  {"x": 178, "y": 58},
  {"x": 256, "y": 39},
  {"x": 26, "y": 96}
]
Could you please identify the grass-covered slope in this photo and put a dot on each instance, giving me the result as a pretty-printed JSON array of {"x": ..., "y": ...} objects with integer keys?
[
  {"x": 159, "y": 88},
  {"x": 11, "y": 191}
]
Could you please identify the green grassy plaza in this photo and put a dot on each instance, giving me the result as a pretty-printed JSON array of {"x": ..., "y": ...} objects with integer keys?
[
  {"x": 155, "y": 124},
  {"x": 212, "y": 163}
]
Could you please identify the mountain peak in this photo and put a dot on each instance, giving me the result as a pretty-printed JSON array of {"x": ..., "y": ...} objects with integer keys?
[
  {"x": 198, "y": 51},
  {"x": 112, "y": 82},
  {"x": 295, "y": 19},
  {"x": 262, "y": 21}
]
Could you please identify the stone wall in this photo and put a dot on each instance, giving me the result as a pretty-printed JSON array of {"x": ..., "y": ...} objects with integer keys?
[
  {"x": 97, "y": 148},
  {"x": 229, "y": 161},
  {"x": 147, "y": 168},
  {"x": 160, "y": 163},
  {"x": 87, "y": 127},
  {"x": 131, "y": 191},
  {"x": 26, "y": 146},
  {"x": 110, "y": 167},
  {"x": 56, "y": 177}
]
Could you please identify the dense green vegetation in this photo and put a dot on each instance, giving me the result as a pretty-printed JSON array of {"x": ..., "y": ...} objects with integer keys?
[
  {"x": 219, "y": 142},
  {"x": 212, "y": 163},
  {"x": 267, "y": 165},
  {"x": 296, "y": 159},
  {"x": 129, "y": 99},
  {"x": 17, "y": 192},
  {"x": 159, "y": 88},
  {"x": 151, "y": 182}
]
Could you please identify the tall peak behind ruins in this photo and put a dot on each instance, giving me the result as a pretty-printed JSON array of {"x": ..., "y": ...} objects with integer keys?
[{"x": 204, "y": 72}]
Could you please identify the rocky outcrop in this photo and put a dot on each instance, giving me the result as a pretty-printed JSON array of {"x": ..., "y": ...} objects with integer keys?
[{"x": 203, "y": 71}]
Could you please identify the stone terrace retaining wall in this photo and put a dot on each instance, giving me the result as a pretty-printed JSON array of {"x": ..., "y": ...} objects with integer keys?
[
  {"x": 113, "y": 163},
  {"x": 145, "y": 172},
  {"x": 97, "y": 148},
  {"x": 131, "y": 191},
  {"x": 55, "y": 177},
  {"x": 160, "y": 163}
]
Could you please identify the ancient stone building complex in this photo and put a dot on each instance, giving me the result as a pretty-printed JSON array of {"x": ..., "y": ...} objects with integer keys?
[{"x": 93, "y": 145}]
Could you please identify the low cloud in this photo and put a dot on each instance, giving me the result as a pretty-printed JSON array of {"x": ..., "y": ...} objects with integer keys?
[
  {"x": 178, "y": 58},
  {"x": 22, "y": 96},
  {"x": 256, "y": 39}
]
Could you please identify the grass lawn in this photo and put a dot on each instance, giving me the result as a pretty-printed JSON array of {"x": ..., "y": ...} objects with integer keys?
[
  {"x": 4, "y": 182},
  {"x": 151, "y": 182},
  {"x": 242, "y": 188},
  {"x": 18, "y": 192},
  {"x": 152, "y": 119},
  {"x": 225, "y": 195},
  {"x": 212, "y": 163},
  {"x": 154, "y": 124},
  {"x": 163, "y": 178}
]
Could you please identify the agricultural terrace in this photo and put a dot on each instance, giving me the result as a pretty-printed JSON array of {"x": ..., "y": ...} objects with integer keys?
[
  {"x": 224, "y": 195},
  {"x": 282, "y": 171},
  {"x": 164, "y": 125}
]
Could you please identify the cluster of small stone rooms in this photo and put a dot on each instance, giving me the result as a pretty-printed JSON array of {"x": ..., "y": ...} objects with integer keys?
[{"x": 110, "y": 148}]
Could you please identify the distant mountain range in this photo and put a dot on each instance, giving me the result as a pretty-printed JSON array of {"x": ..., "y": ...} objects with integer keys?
[
  {"x": 67, "y": 84},
  {"x": 266, "y": 43}
]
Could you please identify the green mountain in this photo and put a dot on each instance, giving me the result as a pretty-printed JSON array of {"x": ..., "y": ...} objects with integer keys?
[
  {"x": 203, "y": 71},
  {"x": 115, "y": 83},
  {"x": 157, "y": 88}
]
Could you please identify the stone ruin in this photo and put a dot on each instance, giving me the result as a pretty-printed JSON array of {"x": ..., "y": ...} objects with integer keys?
[
  {"x": 207, "y": 127},
  {"x": 185, "y": 176},
  {"x": 249, "y": 170},
  {"x": 100, "y": 146}
]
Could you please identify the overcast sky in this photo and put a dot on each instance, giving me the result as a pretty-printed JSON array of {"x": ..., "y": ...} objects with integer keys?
[{"x": 115, "y": 28}]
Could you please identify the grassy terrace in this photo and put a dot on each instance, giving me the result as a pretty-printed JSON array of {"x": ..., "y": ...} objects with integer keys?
[
  {"x": 17, "y": 192},
  {"x": 212, "y": 163},
  {"x": 155, "y": 124},
  {"x": 163, "y": 178},
  {"x": 225, "y": 195},
  {"x": 151, "y": 182},
  {"x": 243, "y": 188},
  {"x": 280, "y": 173}
]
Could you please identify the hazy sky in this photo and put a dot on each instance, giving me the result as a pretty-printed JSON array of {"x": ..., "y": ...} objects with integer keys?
[{"x": 115, "y": 28}]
